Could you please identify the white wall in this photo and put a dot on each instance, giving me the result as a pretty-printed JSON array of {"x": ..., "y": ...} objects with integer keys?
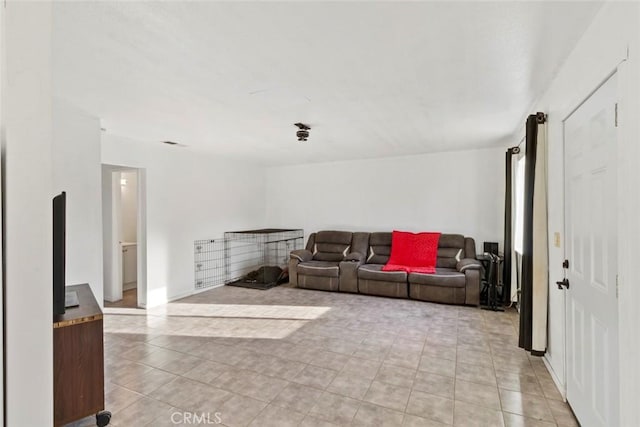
[
  {"x": 2, "y": 155},
  {"x": 597, "y": 54},
  {"x": 128, "y": 204},
  {"x": 27, "y": 113},
  {"x": 453, "y": 192},
  {"x": 189, "y": 196},
  {"x": 77, "y": 170}
]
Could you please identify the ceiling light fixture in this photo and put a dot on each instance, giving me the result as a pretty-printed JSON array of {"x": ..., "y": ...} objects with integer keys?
[{"x": 303, "y": 133}]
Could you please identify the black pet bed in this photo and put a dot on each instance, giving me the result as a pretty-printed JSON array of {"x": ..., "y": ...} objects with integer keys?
[{"x": 263, "y": 278}]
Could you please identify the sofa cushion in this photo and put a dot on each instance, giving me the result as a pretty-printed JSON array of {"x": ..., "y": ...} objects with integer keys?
[
  {"x": 331, "y": 245},
  {"x": 442, "y": 277},
  {"x": 469, "y": 248},
  {"x": 319, "y": 268},
  {"x": 450, "y": 250},
  {"x": 374, "y": 272},
  {"x": 379, "y": 248}
]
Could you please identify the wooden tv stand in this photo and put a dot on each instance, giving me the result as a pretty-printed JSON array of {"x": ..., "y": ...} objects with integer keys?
[{"x": 78, "y": 361}]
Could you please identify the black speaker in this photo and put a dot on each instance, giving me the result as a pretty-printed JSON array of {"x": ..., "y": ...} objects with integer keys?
[{"x": 491, "y": 247}]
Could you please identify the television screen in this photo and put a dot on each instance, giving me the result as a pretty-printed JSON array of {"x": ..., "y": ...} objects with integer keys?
[{"x": 59, "y": 252}]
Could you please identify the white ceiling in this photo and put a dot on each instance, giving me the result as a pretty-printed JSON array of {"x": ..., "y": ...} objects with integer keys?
[{"x": 372, "y": 79}]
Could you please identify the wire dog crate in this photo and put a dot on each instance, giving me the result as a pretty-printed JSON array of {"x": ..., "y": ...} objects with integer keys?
[
  {"x": 258, "y": 258},
  {"x": 250, "y": 258},
  {"x": 208, "y": 256}
]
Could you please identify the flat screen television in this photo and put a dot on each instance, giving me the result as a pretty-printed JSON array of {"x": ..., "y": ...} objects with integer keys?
[{"x": 59, "y": 252}]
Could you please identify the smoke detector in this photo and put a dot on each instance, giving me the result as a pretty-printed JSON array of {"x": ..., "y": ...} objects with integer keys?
[{"x": 303, "y": 132}]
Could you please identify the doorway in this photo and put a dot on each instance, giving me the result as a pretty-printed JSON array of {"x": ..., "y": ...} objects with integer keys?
[
  {"x": 123, "y": 237},
  {"x": 590, "y": 139}
]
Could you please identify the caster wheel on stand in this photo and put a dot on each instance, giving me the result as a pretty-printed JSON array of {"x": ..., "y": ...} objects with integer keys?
[{"x": 103, "y": 418}]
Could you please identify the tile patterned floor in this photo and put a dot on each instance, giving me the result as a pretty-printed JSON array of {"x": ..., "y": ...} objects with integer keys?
[{"x": 293, "y": 357}]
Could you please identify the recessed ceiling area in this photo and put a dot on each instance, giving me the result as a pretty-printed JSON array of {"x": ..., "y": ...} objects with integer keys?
[{"x": 371, "y": 79}]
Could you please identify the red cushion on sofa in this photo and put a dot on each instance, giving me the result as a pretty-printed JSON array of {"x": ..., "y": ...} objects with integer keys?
[{"x": 413, "y": 252}]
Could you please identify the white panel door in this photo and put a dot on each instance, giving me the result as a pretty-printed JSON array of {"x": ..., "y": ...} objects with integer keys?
[{"x": 590, "y": 227}]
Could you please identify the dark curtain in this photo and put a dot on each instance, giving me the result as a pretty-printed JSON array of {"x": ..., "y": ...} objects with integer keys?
[
  {"x": 508, "y": 232},
  {"x": 526, "y": 295}
]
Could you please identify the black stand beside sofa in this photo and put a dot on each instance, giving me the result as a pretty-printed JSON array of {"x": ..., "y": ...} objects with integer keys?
[{"x": 352, "y": 262}]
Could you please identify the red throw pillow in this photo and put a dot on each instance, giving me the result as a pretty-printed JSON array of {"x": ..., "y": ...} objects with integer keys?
[{"x": 413, "y": 252}]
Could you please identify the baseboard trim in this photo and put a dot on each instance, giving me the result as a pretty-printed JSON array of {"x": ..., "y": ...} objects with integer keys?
[
  {"x": 561, "y": 387},
  {"x": 199, "y": 291},
  {"x": 180, "y": 296},
  {"x": 129, "y": 286},
  {"x": 109, "y": 298}
]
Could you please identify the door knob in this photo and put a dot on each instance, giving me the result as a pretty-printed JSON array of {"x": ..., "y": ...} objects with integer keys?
[{"x": 564, "y": 282}]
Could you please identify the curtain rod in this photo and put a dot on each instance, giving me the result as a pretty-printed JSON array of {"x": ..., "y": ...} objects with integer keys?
[
  {"x": 541, "y": 118},
  {"x": 516, "y": 148}
]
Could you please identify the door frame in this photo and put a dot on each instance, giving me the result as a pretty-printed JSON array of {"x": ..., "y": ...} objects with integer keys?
[
  {"x": 112, "y": 257},
  {"x": 602, "y": 82}
]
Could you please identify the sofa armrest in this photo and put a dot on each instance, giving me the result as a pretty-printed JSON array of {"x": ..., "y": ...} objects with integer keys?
[
  {"x": 349, "y": 276},
  {"x": 472, "y": 286},
  {"x": 301, "y": 255},
  {"x": 355, "y": 257},
  {"x": 349, "y": 272},
  {"x": 296, "y": 257},
  {"x": 468, "y": 264}
]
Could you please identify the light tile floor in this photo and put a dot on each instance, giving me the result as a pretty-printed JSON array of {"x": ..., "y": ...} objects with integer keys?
[{"x": 294, "y": 357}]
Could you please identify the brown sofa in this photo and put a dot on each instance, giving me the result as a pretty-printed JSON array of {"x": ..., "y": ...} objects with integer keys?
[
  {"x": 318, "y": 266},
  {"x": 352, "y": 262}
]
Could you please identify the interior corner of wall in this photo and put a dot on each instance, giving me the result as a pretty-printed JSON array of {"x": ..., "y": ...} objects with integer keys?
[{"x": 556, "y": 379}]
